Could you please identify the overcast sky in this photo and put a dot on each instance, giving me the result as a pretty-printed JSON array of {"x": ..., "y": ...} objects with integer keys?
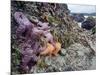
[{"x": 82, "y": 8}]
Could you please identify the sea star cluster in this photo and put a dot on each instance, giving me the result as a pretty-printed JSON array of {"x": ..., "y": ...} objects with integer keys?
[{"x": 30, "y": 33}]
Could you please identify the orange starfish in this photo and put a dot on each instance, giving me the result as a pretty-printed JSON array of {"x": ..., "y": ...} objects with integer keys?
[{"x": 51, "y": 49}]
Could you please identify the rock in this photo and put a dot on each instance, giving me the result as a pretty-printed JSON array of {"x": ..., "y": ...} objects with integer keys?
[
  {"x": 89, "y": 23},
  {"x": 76, "y": 57},
  {"x": 78, "y": 17},
  {"x": 80, "y": 57},
  {"x": 57, "y": 65},
  {"x": 63, "y": 52},
  {"x": 93, "y": 64}
]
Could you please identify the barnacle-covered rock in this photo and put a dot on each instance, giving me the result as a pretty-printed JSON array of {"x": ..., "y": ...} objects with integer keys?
[
  {"x": 78, "y": 57},
  {"x": 54, "y": 22}
]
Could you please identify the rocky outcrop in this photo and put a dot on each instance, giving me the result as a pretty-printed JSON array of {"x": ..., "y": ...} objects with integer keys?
[
  {"x": 78, "y": 17},
  {"x": 89, "y": 23},
  {"x": 77, "y": 45}
]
